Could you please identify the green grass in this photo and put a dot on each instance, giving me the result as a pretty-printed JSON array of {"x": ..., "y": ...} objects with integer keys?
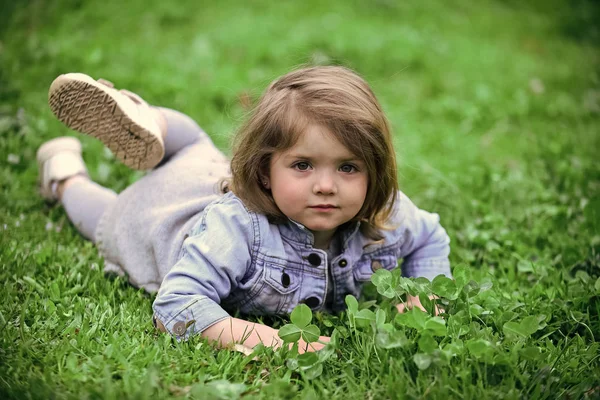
[{"x": 495, "y": 107}]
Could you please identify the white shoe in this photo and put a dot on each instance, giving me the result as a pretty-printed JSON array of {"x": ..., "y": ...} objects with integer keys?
[
  {"x": 58, "y": 159},
  {"x": 120, "y": 119}
]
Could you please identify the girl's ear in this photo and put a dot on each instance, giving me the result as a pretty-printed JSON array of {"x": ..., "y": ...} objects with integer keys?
[
  {"x": 265, "y": 182},
  {"x": 263, "y": 174}
]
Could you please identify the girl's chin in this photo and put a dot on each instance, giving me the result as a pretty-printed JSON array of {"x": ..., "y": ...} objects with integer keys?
[{"x": 321, "y": 228}]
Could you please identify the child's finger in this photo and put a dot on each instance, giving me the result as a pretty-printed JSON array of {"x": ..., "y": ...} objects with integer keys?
[
  {"x": 325, "y": 339},
  {"x": 315, "y": 346},
  {"x": 420, "y": 306}
]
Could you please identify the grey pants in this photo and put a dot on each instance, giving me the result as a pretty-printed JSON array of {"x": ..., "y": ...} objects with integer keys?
[{"x": 85, "y": 201}]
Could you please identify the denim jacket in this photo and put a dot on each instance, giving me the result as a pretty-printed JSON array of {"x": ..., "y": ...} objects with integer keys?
[{"x": 237, "y": 259}]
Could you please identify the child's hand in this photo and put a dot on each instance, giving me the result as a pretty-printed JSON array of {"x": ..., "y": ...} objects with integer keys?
[{"x": 413, "y": 301}]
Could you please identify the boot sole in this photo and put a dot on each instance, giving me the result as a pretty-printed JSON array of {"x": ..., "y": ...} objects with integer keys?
[{"x": 88, "y": 108}]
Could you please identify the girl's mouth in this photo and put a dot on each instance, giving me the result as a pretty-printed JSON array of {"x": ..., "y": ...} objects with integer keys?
[{"x": 323, "y": 207}]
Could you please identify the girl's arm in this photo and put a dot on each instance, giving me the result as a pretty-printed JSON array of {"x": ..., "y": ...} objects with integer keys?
[
  {"x": 231, "y": 331},
  {"x": 425, "y": 245},
  {"x": 249, "y": 334},
  {"x": 214, "y": 260}
]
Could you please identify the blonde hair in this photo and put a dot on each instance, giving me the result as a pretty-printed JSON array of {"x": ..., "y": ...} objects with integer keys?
[{"x": 333, "y": 97}]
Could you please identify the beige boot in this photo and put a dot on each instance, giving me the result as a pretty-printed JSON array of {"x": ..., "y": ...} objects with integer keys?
[
  {"x": 120, "y": 119},
  {"x": 58, "y": 159}
]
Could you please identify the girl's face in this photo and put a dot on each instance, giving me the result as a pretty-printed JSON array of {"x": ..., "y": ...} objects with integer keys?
[{"x": 318, "y": 183}]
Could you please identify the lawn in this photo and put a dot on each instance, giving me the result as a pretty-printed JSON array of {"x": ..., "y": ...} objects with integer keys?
[{"x": 495, "y": 108}]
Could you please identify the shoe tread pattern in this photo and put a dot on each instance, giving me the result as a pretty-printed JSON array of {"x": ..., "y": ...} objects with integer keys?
[{"x": 91, "y": 111}]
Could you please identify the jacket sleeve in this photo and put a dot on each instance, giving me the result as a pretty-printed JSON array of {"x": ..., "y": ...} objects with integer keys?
[
  {"x": 425, "y": 245},
  {"x": 214, "y": 260}
]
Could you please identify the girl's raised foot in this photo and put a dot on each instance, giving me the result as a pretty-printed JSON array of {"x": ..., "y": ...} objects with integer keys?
[{"x": 122, "y": 120}]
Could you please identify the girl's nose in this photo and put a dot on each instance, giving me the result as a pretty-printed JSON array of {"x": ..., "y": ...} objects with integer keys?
[{"x": 325, "y": 184}]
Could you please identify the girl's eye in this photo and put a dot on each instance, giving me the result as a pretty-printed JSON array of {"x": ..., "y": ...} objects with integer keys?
[
  {"x": 348, "y": 168},
  {"x": 302, "y": 166}
]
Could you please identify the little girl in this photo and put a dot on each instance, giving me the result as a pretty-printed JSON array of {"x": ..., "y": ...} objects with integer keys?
[{"x": 306, "y": 210}]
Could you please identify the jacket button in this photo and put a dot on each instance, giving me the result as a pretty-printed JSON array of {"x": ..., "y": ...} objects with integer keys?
[
  {"x": 285, "y": 280},
  {"x": 312, "y": 302},
  {"x": 179, "y": 328},
  {"x": 343, "y": 263},
  {"x": 314, "y": 259},
  {"x": 375, "y": 265}
]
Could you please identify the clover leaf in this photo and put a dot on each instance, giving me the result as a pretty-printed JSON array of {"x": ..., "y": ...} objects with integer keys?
[{"x": 300, "y": 326}]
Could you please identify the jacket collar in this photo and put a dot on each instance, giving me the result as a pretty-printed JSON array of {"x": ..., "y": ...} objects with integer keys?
[{"x": 296, "y": 232}]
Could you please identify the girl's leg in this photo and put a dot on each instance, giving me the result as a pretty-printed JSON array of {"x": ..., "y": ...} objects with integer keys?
[
  {"x": 64, "y": 177},
  {"x": 180, "y": 131},
  {"x": 84, "y": 202},
  {"x": 122, "y": 120}
]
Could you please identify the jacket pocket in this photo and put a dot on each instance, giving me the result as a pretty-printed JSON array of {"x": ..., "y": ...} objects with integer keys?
[
  {"x": 281, "y": 279},
  {"x": 369, "y": 264}
]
